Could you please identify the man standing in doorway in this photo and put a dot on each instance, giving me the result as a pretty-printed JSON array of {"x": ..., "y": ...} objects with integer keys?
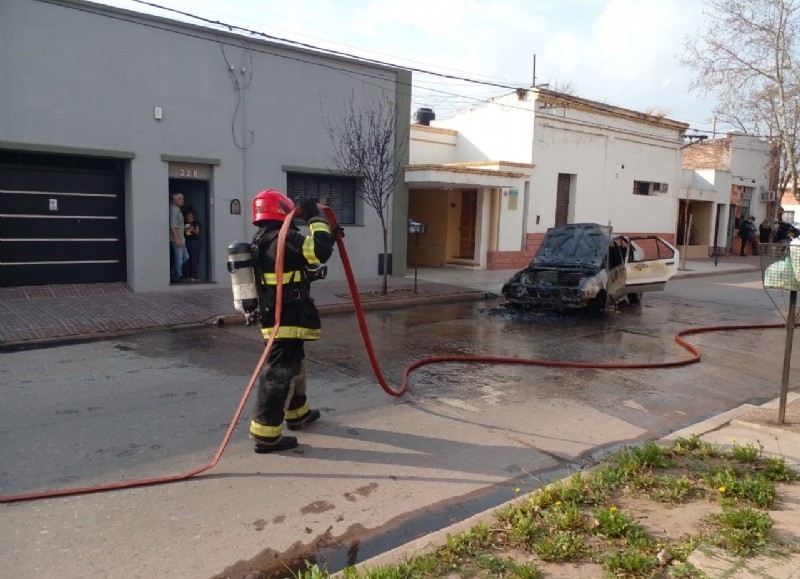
[{"x": 179, "y": 254}]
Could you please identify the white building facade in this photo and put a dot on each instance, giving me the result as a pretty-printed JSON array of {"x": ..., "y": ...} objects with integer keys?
[
  {"x": 105, "y": 112},
  {"x": 724, "y": 181},
  {"x": 553, "y": 159}
]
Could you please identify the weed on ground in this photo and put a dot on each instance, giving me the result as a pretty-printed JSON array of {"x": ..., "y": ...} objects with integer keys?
[{"x": 639, "y": 514}]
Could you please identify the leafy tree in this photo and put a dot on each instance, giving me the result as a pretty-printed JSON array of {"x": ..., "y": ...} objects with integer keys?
[
  {"x": 748, "y": 57},
  {"x": 367, "y": 146}
]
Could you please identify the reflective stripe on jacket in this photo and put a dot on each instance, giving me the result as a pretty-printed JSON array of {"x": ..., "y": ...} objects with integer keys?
[
  {"x": 288, "y": 277},
  {"x": 299, "y": 317}
]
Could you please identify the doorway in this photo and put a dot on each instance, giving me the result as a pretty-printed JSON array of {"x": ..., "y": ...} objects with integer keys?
[
  {"x": 196, "y": 196},
  {"x": 562, "y": 199},
  {"x": 731, "y": 227},
  {"x": 469, "y": 210}
]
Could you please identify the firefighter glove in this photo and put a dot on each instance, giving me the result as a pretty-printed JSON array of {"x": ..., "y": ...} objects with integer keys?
[{"x": 308, "y": 208}]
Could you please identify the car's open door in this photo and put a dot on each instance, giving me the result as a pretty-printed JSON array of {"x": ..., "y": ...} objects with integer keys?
[{"x": 651, "y": 262}]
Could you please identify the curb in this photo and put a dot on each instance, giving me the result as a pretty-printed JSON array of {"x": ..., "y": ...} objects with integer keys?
[
  {"x": 709, "y": 424},
  {"x": 682, "y": 274},
  {"x": 438, "y": 538},
  {"x": 389, "y": 303},
  {"x": 57, "y": 341},
  {"x": 376, "y": 304},
  {"x": 428, "y": 542}
]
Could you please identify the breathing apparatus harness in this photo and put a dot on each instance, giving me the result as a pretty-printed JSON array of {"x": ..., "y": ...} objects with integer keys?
[{"x": 251, "y": 295}]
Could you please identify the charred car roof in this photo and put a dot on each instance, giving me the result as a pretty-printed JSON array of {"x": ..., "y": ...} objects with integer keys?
[{"x": 575, "y": 245}]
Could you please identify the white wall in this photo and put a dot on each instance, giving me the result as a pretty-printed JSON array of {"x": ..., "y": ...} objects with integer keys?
[
  {"x": 510, "y": 225},
  {"x": 604, "y": 152},
  {"x": 501, "y": 130},
  {"x": 749, "y": 166},
  {"x": 432, "y": 145},
  {"x": 604, "y": 165},
  {"x": 78, "y": 76}
]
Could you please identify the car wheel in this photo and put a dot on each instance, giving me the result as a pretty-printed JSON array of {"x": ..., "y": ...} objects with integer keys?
[
  {"x": 597, "y": 304},
  {"x": 634, "y": 298}
]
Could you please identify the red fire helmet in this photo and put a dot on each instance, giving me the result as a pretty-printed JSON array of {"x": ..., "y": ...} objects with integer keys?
[{"x": 271, "y": 204}]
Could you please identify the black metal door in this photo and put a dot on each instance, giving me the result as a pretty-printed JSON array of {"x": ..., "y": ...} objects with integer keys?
[{"x": 61, "y": 219}]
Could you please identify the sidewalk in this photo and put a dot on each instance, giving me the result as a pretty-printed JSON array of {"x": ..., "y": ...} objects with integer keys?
[
  {"x": 745, "y": 425},
  {"x": 40, "y": 315}
]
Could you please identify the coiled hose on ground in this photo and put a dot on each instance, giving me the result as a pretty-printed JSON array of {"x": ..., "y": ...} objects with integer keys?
[{"x": 362, "y": 324}]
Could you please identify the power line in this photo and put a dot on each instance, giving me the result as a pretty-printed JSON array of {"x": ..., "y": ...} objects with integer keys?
[
  {"x": 241, "y": 29},
  {"x": 392, "y": 58},
  {"x": 465, "y": 99}
]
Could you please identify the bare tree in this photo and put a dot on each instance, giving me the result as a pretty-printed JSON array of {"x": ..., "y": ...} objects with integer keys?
[
  {"x": 748, "y": 56},
  {"x": 566, "y": 87},
  {"x": 657, "y": 112},
  {"x": 367, "y": 146},
  {"x": 759, "y": 115}
]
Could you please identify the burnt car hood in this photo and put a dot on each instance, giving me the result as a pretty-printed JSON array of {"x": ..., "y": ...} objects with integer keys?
[
  {"x": 568, "y": 269},
  {"x": 576, "y": 246}
]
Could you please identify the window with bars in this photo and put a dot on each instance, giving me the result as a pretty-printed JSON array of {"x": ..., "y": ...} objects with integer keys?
[
  {"x": 338, "y": 193},
  {"x": 649, "y": 188}
]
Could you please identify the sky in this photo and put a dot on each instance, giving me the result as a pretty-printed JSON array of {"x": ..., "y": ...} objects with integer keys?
[{"x": 621, "y": 52}]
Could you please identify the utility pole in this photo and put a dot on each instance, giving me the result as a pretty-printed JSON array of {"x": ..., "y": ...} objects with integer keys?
[{"x": 533, "y": 81}]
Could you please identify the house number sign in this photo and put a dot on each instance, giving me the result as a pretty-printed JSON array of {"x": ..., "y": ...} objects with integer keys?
[{"x": 189, "y": 171}]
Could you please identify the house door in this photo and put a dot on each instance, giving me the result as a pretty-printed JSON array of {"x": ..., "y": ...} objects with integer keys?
[
  {"x": 731, "y": 227},
  {"x": 469, "y": 209},
  {"x": 562, "y": 200},
  {"x": 196, "y": 196}
]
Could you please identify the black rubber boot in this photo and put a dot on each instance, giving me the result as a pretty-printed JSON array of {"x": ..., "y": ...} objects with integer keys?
[
  {"x": 303, "y": 421},
  {"x": 283, "y": 443}
]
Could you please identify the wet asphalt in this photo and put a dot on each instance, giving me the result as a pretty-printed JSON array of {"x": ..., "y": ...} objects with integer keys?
[{"x": 376, "y": 471}]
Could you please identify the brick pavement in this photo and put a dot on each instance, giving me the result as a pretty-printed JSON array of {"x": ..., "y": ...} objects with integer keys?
[{"x": 37, "y": 314}]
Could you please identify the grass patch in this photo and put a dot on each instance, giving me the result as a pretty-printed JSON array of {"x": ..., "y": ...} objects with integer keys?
[
  {"x": 742, "y": 531},
  {"x": 577, "y": 519},
  {"x": 630, "y": 563},
  {"x": 749, "y": 453},
  {"x": 736, "y": 486}
]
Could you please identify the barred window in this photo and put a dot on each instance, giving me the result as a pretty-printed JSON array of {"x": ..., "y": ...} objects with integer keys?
[{"x": 338, "y": 193}]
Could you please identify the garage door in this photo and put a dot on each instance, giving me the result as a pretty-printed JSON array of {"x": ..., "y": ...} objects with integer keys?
[{"x": 61, "y": 219}]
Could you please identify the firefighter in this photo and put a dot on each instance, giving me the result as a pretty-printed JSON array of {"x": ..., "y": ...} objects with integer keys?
[{"x": 282, "y": 385}]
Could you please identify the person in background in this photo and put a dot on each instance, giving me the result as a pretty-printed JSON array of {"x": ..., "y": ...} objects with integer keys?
[
  {"x": 764, "y": 231},
  {"x": 176, "y": 239},
  {"x": 191, "y": 233},
  {"x": 747, "y": 232},
  {"x": 785, "y": 232}
]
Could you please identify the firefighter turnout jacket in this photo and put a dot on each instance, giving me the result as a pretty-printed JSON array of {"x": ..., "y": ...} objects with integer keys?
[{"x": 299, "y": 316}]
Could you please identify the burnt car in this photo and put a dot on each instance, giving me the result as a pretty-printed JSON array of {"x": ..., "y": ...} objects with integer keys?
[{"x": 584, "y": 266}]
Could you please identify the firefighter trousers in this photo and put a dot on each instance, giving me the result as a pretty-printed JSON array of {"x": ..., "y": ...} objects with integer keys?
[{"x": 281, "y": 390}]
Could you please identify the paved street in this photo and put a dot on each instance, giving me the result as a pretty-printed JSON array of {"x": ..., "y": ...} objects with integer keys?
[{"x": 376, "y": 471}]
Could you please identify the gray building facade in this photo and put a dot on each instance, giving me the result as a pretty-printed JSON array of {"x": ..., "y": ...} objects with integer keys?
[{"x": 105, "y": 112}]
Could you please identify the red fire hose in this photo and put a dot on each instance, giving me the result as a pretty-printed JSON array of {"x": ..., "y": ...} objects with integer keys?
[{"x": 362, "y": 324}]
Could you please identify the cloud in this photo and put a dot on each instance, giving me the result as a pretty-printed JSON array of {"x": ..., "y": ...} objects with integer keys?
[{"x": 620, "y": 51}]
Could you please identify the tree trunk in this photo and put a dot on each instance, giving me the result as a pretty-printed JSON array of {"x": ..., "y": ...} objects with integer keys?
[{"x": 385, "y": 284}]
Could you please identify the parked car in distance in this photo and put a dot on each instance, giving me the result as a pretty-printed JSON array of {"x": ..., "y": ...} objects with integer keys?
[{"x": 584, "y": 266}]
